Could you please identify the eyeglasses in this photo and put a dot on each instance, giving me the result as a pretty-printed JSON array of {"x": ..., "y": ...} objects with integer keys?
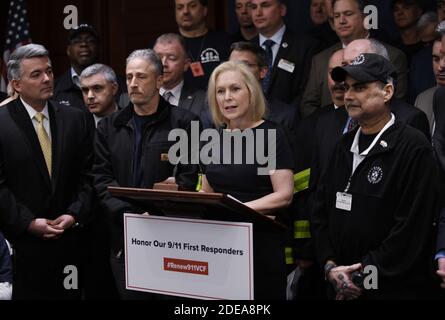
[{"x": 77, "y": 41}]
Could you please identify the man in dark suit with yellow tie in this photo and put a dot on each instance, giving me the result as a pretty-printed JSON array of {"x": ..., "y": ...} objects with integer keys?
[{"x": 45, "y": 190}]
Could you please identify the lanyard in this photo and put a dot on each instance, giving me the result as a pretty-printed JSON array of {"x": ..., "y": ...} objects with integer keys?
[{"x": 357, "y": 157}]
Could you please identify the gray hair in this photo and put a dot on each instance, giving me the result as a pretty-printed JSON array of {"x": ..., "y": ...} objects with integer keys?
[
  {"x": 151, "y": 57},
  {"x": 426, "y": 19},
  {"x": 24, "y": 52},
  {"x": 10, "y": 89},
  {"x": 378, "y": 48},
  {"x": 441, "y": 28},
  {"x": 102, "y": 69},
  {"x": 172, "y": 37}
]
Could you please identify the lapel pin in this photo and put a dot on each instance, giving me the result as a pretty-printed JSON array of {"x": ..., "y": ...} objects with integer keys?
[{"x": 384, "y": 144}]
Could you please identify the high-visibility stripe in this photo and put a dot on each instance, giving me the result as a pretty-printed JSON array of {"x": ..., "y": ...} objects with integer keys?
[
  {"x": 289, "y": 255},
  {"x": 199, "y": 184},
  {"x": 302, "y": 229},
  {"x": 301, "y": 180}
]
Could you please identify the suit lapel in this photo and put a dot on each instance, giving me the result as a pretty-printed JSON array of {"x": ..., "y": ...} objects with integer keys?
[
  {"x": 24, "y": 122},
  {"x": 57, "y": 132},
  {"x": 283, "y": 52},
  {"x": 186, "y": 99},
  {"x": 340, "y": 120}
]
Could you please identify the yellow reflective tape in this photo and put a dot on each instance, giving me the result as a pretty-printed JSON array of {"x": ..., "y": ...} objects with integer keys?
[
  {"x": 199, "y": 184},
  {"x": 301, "y": 180},
  {"x": 302, "y": 229},
  {"x": 289, "y": 255}
]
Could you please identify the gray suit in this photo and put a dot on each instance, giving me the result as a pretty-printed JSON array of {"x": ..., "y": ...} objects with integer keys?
[
  {"x": 316, "y": 94},
  {"x": 424, "y": 102}
]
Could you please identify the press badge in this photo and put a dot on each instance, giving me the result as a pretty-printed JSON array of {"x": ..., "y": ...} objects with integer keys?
[
  {"x": 286, "y": 66},
  {"x": 344, "y": 201},
  {"x": 197, "y": 69}
]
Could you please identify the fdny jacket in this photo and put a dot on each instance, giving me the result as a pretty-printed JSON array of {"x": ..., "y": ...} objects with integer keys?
[{"x": 390, "y": 223}]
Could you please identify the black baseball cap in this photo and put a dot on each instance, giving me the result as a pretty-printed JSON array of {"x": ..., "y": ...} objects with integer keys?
[
  {"x": 81, "y": 29},
  {"x": 367, "y": 67}
]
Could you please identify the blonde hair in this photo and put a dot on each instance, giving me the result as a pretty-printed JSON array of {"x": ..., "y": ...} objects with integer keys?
[{"x": 256, "y": 97}]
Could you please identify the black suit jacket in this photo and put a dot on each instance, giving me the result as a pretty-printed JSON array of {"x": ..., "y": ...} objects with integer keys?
[
  {"x": 27, "y": 192},
  {"x": 288, "y": 86},
  {"x": 3, "y": 96},
  {"x": 329, "y": 127},
  {"x": 193, "y": 100},
  {"x": 439, "y": 148},
  {"x": 283, "y": 114},
  {"x": 411, "y": 115}
]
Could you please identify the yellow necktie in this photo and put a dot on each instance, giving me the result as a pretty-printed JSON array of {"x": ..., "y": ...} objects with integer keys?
[{"x": 45, "y": 143}]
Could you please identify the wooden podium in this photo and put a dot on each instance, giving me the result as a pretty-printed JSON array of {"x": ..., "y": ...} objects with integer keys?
[{"x": 268, "y": 235}]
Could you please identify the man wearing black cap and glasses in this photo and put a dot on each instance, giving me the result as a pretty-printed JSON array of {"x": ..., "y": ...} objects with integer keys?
[
  {"x": 376, "y": 202},
  {"x": 82, "y": 51}
]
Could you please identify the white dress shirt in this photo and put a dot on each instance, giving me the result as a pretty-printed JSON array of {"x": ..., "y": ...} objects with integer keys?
[
  {"x": 176, "y": 93},
  {"x": 32, "y": 112},
  {"x": 277, "y": 38}
]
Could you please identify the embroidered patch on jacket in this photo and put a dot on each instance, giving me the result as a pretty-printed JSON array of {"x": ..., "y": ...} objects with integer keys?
[
  {"x": 375, "y": 175},
  {"x": 358, "y": 61}
]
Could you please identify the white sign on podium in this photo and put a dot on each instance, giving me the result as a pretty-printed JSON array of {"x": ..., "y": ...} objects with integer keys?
[{"x": 198, "y": 259}]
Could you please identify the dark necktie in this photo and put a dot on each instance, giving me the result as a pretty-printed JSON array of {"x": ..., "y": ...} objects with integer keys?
[
  {"x": 352, "y": 125},
  {"x": 269, "y": 59},
  {"x": 167, "y": 96}
]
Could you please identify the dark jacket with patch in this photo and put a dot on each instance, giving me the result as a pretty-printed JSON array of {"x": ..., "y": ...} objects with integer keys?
[
  {"x": 114, "y": 150},
  {"x": 390, "y": 225}
]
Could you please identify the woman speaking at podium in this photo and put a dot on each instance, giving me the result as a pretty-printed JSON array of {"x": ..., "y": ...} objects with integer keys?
[{"x": 255, "y": 164}]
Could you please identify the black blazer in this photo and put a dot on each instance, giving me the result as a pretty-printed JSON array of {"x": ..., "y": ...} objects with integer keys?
[
  {"x": 288, "y": 86},
  {"x": 3, "y": 96},
  {"x": 411, "y": 115},
  {"x": 27, "y": 193},
  {"x": 26, "y": 190},
  {"x": 193, "y": 100},
  {"x": 439, "y": 149}
]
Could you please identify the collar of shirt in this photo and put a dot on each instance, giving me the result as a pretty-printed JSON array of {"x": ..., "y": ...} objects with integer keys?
[
  {"x": 32, "y": 112},
  {"x": 75, "y": 77},
  {"x": 176, "y": 93},
  {"x": 359, "y": 157},
  {"x": 97, "y": 118},
  {"x": 277, "y": 38}
]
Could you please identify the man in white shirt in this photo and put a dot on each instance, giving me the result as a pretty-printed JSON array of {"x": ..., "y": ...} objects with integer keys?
[
  {"x": 171, "y": 49},
  {"x": 288, "y": 56}
]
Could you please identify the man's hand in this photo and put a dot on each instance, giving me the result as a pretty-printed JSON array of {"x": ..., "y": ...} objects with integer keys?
[
  {"x": 441, "y": 271},
  {"x": 63, "y": 222},
  {"x": 171, "y": 180},
  {"x": 43, "y": 228},
  {"x": 341, "y": 279}
]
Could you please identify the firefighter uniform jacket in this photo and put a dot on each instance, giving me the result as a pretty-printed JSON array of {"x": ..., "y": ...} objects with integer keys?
[{"x": 390, "y": 222}]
